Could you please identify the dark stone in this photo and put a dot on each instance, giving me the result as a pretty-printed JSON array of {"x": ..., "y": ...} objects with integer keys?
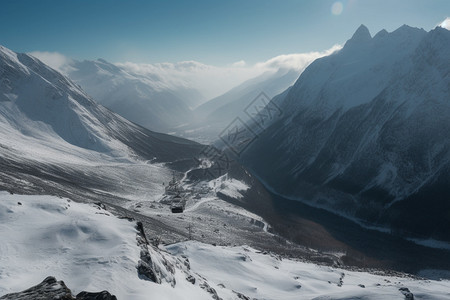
[
  {"x": 146, "y": 272},
  {"x": 191, "y": 279},
  {"x": 48, "y": 289},
  {"x": 210, "y": 290},
  {"x": 361, "y": 285},
  {"x": 104, "y": 295},
  {"x": 51, "y": 289},
  {"x": 408, "y": 295},
  {"x": 241, "y": 296},
  {"x": 100, "y": 205}
]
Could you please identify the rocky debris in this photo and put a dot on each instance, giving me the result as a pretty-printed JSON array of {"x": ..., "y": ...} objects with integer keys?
[
  {"x": 51, "y": 289},
  {"x": 190, "y": 279},
  {"x": 362, "y": 286},
  {"x": 187, "y": 263},
  {"x": 103, "y": 295},
  {"x": 241, "y": 296},
  {"x": 408, "y": 295},
  {"x": 147, "y": 269},
  {"x": 48, "y": 289},
  {"x": 100, "y": 205},
  {"x": 210, "y": 290},
  {"x": 146, "y": 272},
  {"x": 341, "y": 280}
]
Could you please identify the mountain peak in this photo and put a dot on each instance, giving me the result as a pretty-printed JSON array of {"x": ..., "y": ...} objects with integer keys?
[{"x": 360, "y": 36}]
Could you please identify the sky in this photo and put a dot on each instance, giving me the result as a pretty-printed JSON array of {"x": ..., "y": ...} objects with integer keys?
[{"x": 220, "y": 33}]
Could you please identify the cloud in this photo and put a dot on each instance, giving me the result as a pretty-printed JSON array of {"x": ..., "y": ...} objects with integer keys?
[
  {"x": 445, "y": 24},
  {"x": 213, "y": 81},
  {"x": 55, "y": 60},
  {"x": 297, "y": 61},
  {"x": 209, "y": 80},
  {"x": 239, "y": 64}
]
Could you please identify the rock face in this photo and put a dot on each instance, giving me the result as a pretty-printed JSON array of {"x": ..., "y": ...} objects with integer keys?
[
  {"x": 145, "y": 266},
  {"x": 408, "y": 295},
  {"x": 365, "y": 133},
  {"x": 152, "y": 265},
  {"x": 104, "y": 295},
  {"x": 51, "y": 289},
  {"x": 48, "y": 289}
]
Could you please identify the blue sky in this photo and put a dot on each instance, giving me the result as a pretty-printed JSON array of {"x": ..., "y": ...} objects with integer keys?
[{"x": 212, "y": 32}]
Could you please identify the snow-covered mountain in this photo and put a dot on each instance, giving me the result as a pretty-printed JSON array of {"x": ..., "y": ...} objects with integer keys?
[
  {"x": 146, "y": 99},
  {"x": 52, "y": 131},
  {"x": 365, "y": 133}
]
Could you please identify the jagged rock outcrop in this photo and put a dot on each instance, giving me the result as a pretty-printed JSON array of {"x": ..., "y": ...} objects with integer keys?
[
  {"x": 48, "y": 289},
  {"x": 147, "y": 268},
  {"x": 103, "y": 295},
  {"x": 51, "y": 289},
  {"x": 408, "y": 295}
]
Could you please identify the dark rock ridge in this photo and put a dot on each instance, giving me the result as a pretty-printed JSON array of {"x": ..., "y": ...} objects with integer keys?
[
  {"x": 148, "y": 270},
  {"x": 51, "y": 289}
]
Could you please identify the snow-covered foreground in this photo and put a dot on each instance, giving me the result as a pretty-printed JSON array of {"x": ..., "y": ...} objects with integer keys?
[
  {"x": 84, "y": 246},
  {"x": 266, "y": 276},
  {"x": 92, "y": 250}
]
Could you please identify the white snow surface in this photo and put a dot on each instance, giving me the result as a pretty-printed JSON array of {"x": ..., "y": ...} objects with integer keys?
[
  {"x": 86, "y": 247},
  {"x": 229, "y": 186},
  {"x": 92, "y": 250},
  {"x": 260, "y": 276}
]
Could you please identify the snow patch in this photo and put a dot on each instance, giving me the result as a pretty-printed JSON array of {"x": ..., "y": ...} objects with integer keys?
[{"x": 229, "y": 186}]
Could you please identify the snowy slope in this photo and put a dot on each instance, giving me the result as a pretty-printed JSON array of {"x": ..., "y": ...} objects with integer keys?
[
  {"x": 145, "y": 99},
  {"x": 85, "y": 246},
  {"x": 265, "y": 276},
  {"x": 55, "y": 138},
  {"x": 365, "y": 133},
  {"x": 90, "y": 249}
]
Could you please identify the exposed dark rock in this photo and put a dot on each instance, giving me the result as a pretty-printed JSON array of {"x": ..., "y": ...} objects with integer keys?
[
  {"x": 191, "y": 279},
  {"x": 361, "y": 285},
  {"x": 48, "y": 289},
  {"x": 51, "y": 289},
  {"x": 101, "y": 205},
  {"x": 341, "y": 280},
  {"x": 104, "y": 295},
  {"x": 140, "y": 228},
  {"x": 408, "y": 295},
  {"x": 210, "y": 290},
  {"x": 241, "y": 296},
  {"x": 187, "y": 263},
  {"x": 146, "y": 272},
  {"x": 145, "y": 265}
]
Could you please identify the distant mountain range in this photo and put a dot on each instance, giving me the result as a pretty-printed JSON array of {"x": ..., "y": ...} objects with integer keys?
[
  {"x": 365, "y": 133},
  {"x": 168, "y": 105},
  {"x": 212, "y": 117},
  {"x": 144, "y": 99}
]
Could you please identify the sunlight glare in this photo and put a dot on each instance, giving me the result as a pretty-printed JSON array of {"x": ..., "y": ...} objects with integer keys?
[{"x": 337, "y": 8}]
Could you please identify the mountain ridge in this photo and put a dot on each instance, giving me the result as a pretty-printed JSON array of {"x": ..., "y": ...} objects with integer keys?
[{"x": 359, "y": 126}]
